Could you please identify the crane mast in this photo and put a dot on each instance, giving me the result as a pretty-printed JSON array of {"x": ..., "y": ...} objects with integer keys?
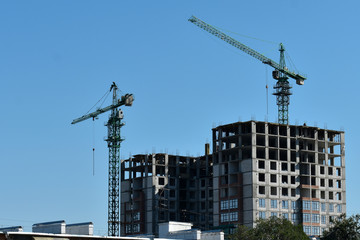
[
  {"x": 281, "y": 73},
  {"x": 113, "y": 140},
  {"x": 282, "y": 90}
]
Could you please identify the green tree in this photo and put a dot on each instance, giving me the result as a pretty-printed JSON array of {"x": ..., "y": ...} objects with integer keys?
[
  {"x": 243, "y": 233},
  {"x": 343, "y": 228},
  {"x": 270, "y": 229}
]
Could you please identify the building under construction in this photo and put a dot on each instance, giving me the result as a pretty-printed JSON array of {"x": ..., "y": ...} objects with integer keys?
[
  {"x": 157, "y": 188},
  {"x": 256, "y": 170}
]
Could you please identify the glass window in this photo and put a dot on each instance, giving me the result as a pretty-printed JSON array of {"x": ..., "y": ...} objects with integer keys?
[
  {"x": 128, "y": 228},
  {"x": 273, "y": 203},
  {"x": 307, "y": 230},
  {"x": 306, "y": 217},
  {"x": 323, "y": 219},
  {"x": 233, "y": 216},
  {"x": 316, "y": 231},
  {"x": 294, "y": 217},
  {"x": 261, "y": 202},
  {"x": 262, "y": 215},
  {"x": 136, "y": 227},
  {"x": 339, "y": 208},
  {"x": 137, "y": 216},
  {"x": 285, "y": 215},
  {"x": 233, "y": 203},
  {"x": 294, "y": 205},
  {"x": 315, "y": 206},
  {"x": 274, "y": 214},
  {"x": 224, "y": 205},
  {"x": 331, "y": 207},
  {"x": 323, "y": 207},
  {"x": 306, "y": 205},
  {"x": 224, "y": 217},
  {"x": 285, "y": 204},
  {"x": 315, "y": 218}
]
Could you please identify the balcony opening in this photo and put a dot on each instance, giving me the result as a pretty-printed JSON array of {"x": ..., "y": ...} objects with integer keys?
[
  {"x": 293, "y": 180},
  {"x": 273, "y": 165},
  {"x": 284, "y": 179},
  {"x": 261, "y": 164},
  {"x": 262, "y": 177},
  {"x": 284, "y": 192},
  {"x": 273, "y": 178},
  {"x": 261, "y": 189}
]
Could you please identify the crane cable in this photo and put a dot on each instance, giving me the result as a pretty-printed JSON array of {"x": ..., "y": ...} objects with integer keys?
[
  {"x": 93, "y": 143},
  {"x": 246, "y": 36},
  {"x": 104, "y": 97},
  {"x": 267, "y": 93},
  {"x": 290, "y": 61}
]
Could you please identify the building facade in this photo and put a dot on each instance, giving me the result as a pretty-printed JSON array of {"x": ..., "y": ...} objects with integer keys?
[
  {"x": 158, "y": 188},
  {"x": 263, "y": 169},
  {"x": 256, "y": 170}
]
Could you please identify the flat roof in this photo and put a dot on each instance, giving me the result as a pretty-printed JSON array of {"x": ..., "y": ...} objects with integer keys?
[
  {"x": 272, "y": 123},
  {"x": 65, "y": 236},
  {"x": 49, "y": 223},
  {"x": 79, "y": 224}
]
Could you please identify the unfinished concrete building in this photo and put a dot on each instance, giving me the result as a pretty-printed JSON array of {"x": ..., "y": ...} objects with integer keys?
[
  {"x": 265, "y": 169},
  {"x": 257, "y": 170},
  {"x": 157, "y": 188}
]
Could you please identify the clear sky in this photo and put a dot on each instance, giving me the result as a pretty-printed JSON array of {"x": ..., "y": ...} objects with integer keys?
[{"x": 58, "y": 58}]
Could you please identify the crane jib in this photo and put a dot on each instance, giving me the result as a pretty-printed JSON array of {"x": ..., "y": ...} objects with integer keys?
[
  {"x": 126, "y": 100},
  {"x": 207, "y": 27}
]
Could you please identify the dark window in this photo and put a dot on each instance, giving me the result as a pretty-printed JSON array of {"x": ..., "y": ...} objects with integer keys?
[
  {"x": 273, "y": 191},
  {"x": 262, "y": 164},
  {"x": 293, "y": 167},
  {"x": 284, "y": 179},
  {"x": 172, "y": 193},
  {"x": 273, "y": 165},
  {"x": 284, "y": 191},
  {"x": 262, "y": 177},
  {"x": 293, "y": 179},
  {"x": 273, "y": 178},
  {"x": 172, "y": 181},
  {"x": 322, "y": 182},
  {"x": 261, "y": 189}
]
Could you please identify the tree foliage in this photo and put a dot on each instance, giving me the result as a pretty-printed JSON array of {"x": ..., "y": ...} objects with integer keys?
[
  {"x": 343, "y": 228},
  {"x": 269, "y": 229}
]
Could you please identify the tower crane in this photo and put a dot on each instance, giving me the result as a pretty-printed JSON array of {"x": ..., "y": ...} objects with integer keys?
[
  {"x": 113, "y": 140},
  {"x": 281, "y": 72}
]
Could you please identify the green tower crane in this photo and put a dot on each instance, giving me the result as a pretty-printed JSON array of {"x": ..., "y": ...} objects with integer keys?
[
  {"x": 281, "y": 72},
  {"x": 113, "y": 140}
]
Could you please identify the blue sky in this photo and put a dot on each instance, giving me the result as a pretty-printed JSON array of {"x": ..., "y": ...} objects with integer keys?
[{"x": 57, "y": 58}]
